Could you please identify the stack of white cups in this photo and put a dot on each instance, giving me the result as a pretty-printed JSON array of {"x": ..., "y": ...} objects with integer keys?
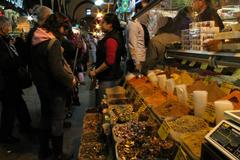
[
  {"x": 200, "y": 99},
  {"x": 220, "y": 107},
  {"x": 182, "y": 93}
]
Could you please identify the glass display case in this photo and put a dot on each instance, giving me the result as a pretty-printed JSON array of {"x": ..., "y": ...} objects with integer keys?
[{"x": 228, "y": 10}]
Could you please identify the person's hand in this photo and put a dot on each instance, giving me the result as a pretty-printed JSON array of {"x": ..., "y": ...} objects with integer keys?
[
  {"x": 92, "y": 74},
  {"x": 74, "y": 81},
  {"x": 213, "y": 45}
]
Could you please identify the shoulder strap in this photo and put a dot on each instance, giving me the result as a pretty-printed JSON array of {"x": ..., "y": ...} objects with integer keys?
[
  {"x": 146, "y": 35},
  {"x": 51, "y": 42}
]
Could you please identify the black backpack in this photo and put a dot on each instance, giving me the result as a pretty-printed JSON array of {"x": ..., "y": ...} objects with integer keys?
[{"x": 146, "y": 35}]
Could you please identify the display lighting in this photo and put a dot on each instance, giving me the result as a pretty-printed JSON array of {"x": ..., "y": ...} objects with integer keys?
[
  {"x": 29, "y": 18},
  {"x": 99, "y": 2},
  {"x": 99, "y": 15},
  {"x": 98, "y": 26}
]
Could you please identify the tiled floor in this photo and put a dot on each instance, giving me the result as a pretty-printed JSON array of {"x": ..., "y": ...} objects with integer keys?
[{"x": 28, "y": 147}]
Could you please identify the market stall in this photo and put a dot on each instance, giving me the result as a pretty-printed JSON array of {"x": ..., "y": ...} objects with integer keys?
[{"x": 177, "y": 112}]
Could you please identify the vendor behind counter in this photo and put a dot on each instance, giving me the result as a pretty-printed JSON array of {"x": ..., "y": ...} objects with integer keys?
[{"x": 169, "y": 33}]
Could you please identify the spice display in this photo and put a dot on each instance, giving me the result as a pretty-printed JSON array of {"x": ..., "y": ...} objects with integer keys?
[
  {"x": 183, "y": 78},
  {"x": 234, "y": 97},
  {"x": 188, "y": 123},
  {"x": 198, "y": 85},
  {"x": 91, "y": 122},
  {"x": 214, "y": 92},
  {"x": 147, "y": 148},
  {"x": 137, "y": 81},
  {"x": 90, "y": 157},
  {"x": 120, "y": 113},
  {"x": 155, "y": 99},
  {"x": 193, "y": 141},
  {"x": 117, "y": 101},
  {"x": 132, "y": 130},
  {"x": 90, "y": 126},
  {"x": 171, "y": 108},
  {"x": 115, "y": 92},
  {"x": 93, "y": 150},
  {"x": 144, "y": 116},
  {"x": 92, "y": 117},
  {"x": 90, "y": 137}
]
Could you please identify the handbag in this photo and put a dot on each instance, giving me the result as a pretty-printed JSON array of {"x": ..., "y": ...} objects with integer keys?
[
  {"x": 66, "y": 66},
  {"x": 24, "y": 77}
]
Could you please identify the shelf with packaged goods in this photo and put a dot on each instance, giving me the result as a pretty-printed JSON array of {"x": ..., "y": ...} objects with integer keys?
[{"x": 212, "y": 58}]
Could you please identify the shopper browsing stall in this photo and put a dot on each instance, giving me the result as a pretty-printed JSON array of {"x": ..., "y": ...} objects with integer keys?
[
  {"x": 138, "y": 38},
  {"x": 53, "y": 79},
  {"x": 13, "y": 105}
]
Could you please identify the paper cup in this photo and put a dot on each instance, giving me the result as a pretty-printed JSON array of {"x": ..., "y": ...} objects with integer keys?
[
  {"x": 182, "y": 93},
  {"x": 199, "y": 102},
  {"x": 220, "y": 107}
]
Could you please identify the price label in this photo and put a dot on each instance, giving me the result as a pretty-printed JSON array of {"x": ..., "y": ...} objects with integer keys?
[
  {"x": 218, "y": 70},
  {"x": 236, "y": 73},
  {"x": 204, "y": 66},
  {"x": 184, "y": 62},
  {"x": 209, "y": 113},
  {"x": 164, "y": 131},
  {"x": 135, "y": 116},
  {"x": 227, "y": 87},
  {"x": 137, "y": 100},
  {"x": 181, "y": 155},
  {"x": 192, "y": 64},
  {"x": 142, "y": 108}
]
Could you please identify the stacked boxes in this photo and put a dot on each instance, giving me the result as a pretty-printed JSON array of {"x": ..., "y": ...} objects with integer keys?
[
  {"x": 185, "y": 38},
  {"x": 198, "y": 33}
]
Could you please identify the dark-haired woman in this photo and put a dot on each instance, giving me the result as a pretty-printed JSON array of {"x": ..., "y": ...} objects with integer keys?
[
  {"x": 53, "y": 81},
  {"x": 109, "y": 52}
]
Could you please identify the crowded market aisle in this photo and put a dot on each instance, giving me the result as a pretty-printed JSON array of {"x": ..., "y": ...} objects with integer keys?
[{"x": 27, "y": 149}]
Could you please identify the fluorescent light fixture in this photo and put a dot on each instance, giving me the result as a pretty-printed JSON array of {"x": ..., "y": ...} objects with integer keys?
[
  {"x": 30, "y": 18},
  {"x": 99, "y": 2}
]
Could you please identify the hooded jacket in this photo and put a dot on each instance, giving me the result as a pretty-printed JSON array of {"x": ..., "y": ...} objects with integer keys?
[{"x": 47, "y": 67}]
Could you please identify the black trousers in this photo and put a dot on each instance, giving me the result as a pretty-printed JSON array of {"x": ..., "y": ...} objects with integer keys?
[
  {"x": 13, "y": 106},
  {"x": 52, "y": 118}
]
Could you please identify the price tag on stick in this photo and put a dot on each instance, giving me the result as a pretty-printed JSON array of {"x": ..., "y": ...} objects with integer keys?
[{"x": 164, "y": 130}]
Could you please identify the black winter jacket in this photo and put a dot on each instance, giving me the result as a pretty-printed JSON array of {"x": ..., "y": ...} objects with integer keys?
[
  {"x": 8, "y": 68},
  {"x": 113, "y": 72},
  {"x": 48, "y": 71}
]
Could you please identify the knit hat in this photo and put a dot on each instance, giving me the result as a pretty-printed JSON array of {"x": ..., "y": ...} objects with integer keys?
[{"x": 42, "y": 13}]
